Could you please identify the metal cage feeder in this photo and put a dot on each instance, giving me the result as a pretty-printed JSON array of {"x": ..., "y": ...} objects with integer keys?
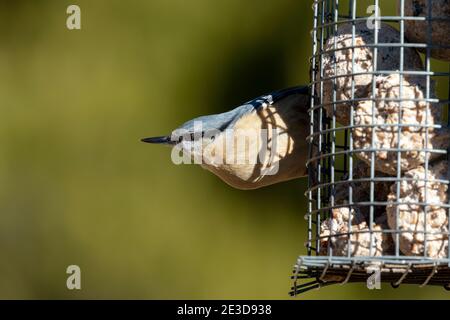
[{"x": 378, "y": 186}]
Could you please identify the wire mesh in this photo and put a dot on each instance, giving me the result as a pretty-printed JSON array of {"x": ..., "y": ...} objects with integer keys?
[{"x": 378, "y": 145}]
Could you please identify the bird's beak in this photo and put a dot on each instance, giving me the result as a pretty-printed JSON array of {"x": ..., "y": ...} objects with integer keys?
[{"x": 158, "y": 140}]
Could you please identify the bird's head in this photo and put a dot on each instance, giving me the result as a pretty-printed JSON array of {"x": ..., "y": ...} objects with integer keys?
[{"x": 198, "y": 135}]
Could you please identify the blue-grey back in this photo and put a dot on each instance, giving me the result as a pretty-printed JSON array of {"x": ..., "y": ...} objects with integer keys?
[{"x": 226, "y": 120}]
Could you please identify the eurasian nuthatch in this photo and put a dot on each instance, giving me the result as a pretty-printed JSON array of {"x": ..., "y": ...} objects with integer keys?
[{"x": 259, "y": 143}]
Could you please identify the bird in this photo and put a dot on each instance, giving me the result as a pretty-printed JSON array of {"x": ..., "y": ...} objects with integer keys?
[{"x": 259, "y": 143}]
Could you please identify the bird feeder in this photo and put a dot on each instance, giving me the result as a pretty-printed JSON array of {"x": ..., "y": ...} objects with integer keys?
[{"x": 378, "y": 164}]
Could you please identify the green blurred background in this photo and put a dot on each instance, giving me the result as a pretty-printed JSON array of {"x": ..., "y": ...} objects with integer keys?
[{"x": 77, "y": 186}]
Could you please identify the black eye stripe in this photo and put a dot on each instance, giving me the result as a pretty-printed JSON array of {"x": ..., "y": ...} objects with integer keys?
[{"x": 194, "y": 136}]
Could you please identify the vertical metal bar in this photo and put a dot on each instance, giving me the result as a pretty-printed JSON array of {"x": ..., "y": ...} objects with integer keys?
[
  {"x": 427, "y": 110},
  {"x": 399, "y": 131},
  {"x": 374, "y": 128},
  {"x": 333, "y": 120},
  {"x": 325, "y": 119},
  {"x": 350, "y": 164},
  {"x": 311, "y": 128},
  {"x": 320, "y": 122}
]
